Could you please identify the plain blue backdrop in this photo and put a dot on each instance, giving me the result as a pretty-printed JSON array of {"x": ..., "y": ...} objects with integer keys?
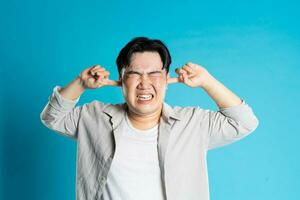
[{"x": 252, "y": 47}]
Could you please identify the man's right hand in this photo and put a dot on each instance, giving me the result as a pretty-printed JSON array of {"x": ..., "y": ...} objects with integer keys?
[{"x": 96, "y": 77}]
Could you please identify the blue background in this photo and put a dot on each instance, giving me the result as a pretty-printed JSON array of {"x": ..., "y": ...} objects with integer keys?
[{"x": 252, "y": 47}]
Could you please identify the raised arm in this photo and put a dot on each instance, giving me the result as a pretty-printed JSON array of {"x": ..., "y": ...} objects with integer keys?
[
  {"x": 60, "y": 113},
  {"x": 92, "y": 78},
  {"x": 234, "y": 120},
  {"x": 195, "y": 75}
]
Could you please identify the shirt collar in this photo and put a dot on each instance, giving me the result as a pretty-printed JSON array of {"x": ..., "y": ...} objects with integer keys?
[
  {"x": 168, "y": 112},
  {"x": 117, "y": 112}
]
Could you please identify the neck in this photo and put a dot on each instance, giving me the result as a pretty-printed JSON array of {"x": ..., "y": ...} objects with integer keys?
[{"x": 144, "y": 122}]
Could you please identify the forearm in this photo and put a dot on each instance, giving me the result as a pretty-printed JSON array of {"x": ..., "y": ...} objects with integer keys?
[
  {"x": 60, "y": 114},
  {"x": 222, "y": 96},
  {"x": 73, "y": 90}
]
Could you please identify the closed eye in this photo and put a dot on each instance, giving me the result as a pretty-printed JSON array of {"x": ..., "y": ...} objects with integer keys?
[
  {"x": 155, "y": 73},
  {"x": 133, "y": 74}
]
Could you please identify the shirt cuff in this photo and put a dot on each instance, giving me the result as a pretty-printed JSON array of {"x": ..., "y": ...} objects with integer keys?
[
  {"x": 59, "y": 102},
  {"x": 241, "y": 113},
  {"x": 233, "y": 107}
]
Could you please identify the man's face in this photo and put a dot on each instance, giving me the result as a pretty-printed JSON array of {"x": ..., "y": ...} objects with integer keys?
[{"x": 144, "y": 83}]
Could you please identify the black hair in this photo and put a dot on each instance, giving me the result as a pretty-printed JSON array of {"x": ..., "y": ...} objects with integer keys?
[{"x": 142, "y": 44}]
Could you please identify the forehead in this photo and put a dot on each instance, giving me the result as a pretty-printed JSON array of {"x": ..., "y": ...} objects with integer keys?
[{"x": 145, "y": 61}]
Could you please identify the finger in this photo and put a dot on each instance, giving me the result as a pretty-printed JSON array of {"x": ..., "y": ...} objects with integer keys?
[
  {"x": 102, "y": 73},
  {"x": 100, "y": 81},
  {"x": 180, "y": 71},
  {"x": 91, "y": 81},
  {"x": 181, "y": 78},
  {"x": 192, "y": 65},
  {"x": 186, "y": 80},
  {"x": 173, "y": 80},
  {"x": 112, "y": 82},
  {"x": 95, "y": 69},
  {"x": 102, "y": 77},
  {"x": 86, "y": 71},
  {"x": 189, "y": 69},
  {"x": 98, "y": 67}
]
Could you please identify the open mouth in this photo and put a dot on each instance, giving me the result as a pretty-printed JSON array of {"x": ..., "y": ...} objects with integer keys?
[{"x": 145, "y": 97}]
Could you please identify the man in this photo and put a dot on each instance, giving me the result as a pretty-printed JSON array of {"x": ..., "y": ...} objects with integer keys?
[{"x": 144, "y": 148}]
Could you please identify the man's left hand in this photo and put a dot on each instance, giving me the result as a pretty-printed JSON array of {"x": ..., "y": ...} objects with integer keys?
[{"x": 192, "y": 75}]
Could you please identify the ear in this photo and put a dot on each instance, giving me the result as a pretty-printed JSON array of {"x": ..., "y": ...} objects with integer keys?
[{"x": 121, "y": 81}]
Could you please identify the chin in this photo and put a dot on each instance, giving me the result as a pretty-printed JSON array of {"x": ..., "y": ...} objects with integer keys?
[{"x": 144, "y": 109}]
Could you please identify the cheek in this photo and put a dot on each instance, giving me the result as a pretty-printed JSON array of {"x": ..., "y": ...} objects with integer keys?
[
  {"x": 131, "y": 83},
  {"x": 128, "y": 88},
  {"x": 160, "y": 88}
]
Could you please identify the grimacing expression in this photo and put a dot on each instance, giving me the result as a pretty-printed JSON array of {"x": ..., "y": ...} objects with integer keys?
[{"x": 144, "y": 83}]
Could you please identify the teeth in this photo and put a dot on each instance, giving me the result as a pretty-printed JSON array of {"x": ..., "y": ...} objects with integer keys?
[{"x": 144, "y": 97}]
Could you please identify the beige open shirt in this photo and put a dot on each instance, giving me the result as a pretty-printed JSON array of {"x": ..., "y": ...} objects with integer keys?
[{"x": 185, "y": 135}]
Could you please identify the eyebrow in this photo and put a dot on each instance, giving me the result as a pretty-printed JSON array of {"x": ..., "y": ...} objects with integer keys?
[
  {"x": 130, "y": 67},
  {"x": 132, "y": 70},
  {"x": 154, "y": 71}
]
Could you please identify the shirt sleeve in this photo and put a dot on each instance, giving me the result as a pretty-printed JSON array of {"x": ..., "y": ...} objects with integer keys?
[
  {"x": 60, "y": 114},
  {"x": 230, "y": 124}
]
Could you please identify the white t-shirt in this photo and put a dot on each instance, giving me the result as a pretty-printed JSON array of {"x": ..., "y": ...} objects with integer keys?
[{"x": 135, "y": 172}]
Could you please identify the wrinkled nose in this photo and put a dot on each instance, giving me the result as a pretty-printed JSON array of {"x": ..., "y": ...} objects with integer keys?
[{"x": 144, "y": 82}]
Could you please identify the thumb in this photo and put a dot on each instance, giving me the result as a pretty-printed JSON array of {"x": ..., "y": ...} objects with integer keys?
[{"x": 186, "y": 80}]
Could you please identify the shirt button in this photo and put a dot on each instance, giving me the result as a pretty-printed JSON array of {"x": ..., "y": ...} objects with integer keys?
[{"x": 103, "y": 180}]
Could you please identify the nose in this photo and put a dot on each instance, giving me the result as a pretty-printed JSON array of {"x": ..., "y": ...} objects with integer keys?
[{"x": 144, "y": 82}]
